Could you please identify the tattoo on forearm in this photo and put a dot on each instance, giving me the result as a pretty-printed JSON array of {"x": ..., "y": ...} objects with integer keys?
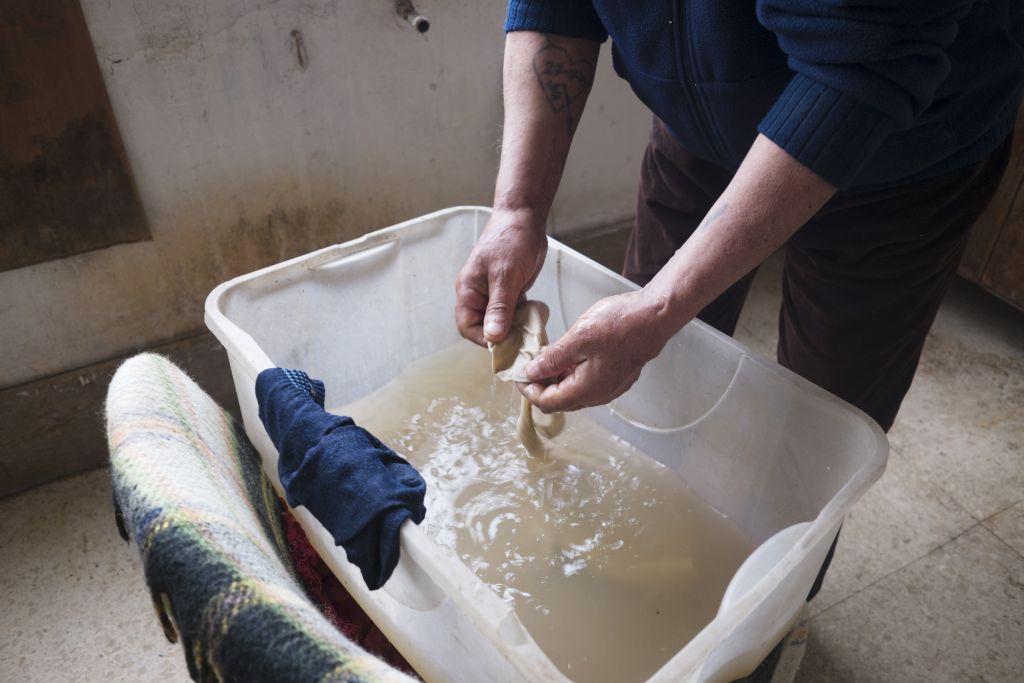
[{"x": 562, "y": 78}]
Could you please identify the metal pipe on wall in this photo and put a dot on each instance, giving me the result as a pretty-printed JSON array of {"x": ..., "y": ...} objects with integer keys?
[{"x": 414, "y": 18}]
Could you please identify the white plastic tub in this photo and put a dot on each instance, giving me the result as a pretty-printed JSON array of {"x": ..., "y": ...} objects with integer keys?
[{"x": 784, "y": 459}]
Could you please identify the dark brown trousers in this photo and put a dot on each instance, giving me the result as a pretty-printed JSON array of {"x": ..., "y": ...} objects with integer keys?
[{"x": 862, "y": 280}]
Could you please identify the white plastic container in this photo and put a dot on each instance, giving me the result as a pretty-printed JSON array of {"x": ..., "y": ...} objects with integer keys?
[{"x": 784, "y": 459}]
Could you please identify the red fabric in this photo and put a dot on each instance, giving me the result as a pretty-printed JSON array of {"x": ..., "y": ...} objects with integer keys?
[{"x": 334, "y": 601}]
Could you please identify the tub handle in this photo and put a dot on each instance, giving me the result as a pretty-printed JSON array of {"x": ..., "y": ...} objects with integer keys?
[{"x": 411, "y": 587}]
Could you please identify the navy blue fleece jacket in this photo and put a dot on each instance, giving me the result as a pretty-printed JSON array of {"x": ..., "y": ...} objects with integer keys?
[{"x": 866, "y": 93}]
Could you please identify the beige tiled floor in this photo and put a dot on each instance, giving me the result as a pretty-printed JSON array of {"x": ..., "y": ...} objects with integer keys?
[
  {"x": 928, "y": 579},
  {"x": 75, "y": 607},
  {"x": 927, "y": 585}
]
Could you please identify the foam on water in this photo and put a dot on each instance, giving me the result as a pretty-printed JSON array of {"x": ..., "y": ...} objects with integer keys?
[{"x": 610, "y": 561}]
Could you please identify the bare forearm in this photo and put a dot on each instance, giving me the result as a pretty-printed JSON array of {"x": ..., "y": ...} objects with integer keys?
[
  {"x": 771, "y": 196},
  {"x": 546, "y": 83},
  {"x": 547, "y": 80},
  {"x": 603, "y": 353}
]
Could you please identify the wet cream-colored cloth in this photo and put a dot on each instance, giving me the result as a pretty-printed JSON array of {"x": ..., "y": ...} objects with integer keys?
[{"x": 509, "y": 359}]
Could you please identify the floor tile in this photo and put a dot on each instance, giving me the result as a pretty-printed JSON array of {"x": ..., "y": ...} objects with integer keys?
[
  {"x": 955, "y": 615},
  {"x": 1008, "y": 525},
  {"x": 74, "y": 596},
  {"x": 899, "y": 520},
  {"x": 963, "y": 421},
  {"x": 981, "y": 320}
]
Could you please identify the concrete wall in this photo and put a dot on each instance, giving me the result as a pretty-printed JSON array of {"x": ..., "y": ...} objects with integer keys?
[{"x": 259, "y": 130}]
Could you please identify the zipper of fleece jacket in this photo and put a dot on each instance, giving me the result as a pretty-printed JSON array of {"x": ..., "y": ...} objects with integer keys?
[{"x": 685, "y": 65}]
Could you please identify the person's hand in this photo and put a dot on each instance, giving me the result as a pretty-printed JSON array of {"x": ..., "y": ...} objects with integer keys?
[
  {"x": 502, "y": 266},
  {"x": 601, "y": 355}
]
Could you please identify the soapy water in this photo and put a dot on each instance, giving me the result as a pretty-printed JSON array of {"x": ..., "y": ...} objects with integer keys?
[{"x": 610, "y": 561}]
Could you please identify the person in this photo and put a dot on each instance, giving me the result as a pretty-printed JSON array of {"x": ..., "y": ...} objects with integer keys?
[{"x": 864, "y": 136}]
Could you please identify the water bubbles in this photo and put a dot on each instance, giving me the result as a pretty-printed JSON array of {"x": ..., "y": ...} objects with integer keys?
[
  {"x": 579, "y": 542},
  {"x": 573, "y": 568}
]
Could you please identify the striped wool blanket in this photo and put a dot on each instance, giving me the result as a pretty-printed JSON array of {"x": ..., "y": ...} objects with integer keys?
[{"x": 190, "y": 492}]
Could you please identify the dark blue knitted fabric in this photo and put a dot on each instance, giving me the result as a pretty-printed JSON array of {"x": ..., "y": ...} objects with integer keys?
[
  {"x": 358, "y": 488},
  {"x": 866, "y": 93},
  {"x": 572, "y": 17}
]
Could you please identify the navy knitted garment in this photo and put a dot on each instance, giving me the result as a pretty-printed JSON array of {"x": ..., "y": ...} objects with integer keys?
[
  {"x": 358, "y": 488},
  {"x": 865, "y": 93}
]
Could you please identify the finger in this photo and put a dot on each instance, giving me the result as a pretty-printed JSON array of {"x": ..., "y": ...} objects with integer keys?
[
  {"x": 556, "y": 360},
  {"x": 501, "y": 301},
  {"x": 473, "y": 332},
  {"x": 469, "y": 314},
  {"x": 571, "y": 393}
]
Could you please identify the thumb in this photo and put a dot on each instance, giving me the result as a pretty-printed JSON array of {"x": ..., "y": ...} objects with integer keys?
[
  {"x": 501, "y": 302},
  {"x": 555, "y": 359}
]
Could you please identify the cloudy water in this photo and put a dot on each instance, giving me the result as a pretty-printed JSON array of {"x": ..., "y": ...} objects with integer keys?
[{"x": 609, "y": 560}]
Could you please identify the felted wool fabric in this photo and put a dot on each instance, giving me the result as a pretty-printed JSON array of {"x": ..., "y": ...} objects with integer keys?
[
  {"x": 360, "y": 490},
  {"x": 191, "y": 493},
  {"x": 525, "y": 340}
]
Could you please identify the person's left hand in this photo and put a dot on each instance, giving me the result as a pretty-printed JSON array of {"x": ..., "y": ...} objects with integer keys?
[{"x": 601, "y": 355}]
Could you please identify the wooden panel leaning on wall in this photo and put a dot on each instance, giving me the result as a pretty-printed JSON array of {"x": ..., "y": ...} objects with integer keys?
[
  {"x": 54, "y": 425},
  {"x": 994, "y": 257},
  {"x": 65, "y": 183}
]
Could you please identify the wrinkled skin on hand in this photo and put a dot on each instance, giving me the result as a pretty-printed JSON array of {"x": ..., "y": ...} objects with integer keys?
[
  {"x": 601, "y": 355},
  {"x": 502, "y": 266}
]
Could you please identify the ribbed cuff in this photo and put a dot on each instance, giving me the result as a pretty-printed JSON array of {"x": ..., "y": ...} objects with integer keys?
[
  {"x": 291, "y": 410},
  {"x": 573, "y": 18},
  {"x": 826, "y": 130}
]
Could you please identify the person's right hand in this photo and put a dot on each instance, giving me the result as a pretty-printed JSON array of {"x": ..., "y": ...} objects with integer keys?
[{"x": 502, "y": 266}]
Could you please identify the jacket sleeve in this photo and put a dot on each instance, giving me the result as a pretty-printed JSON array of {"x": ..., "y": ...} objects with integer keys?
[
  {"x": 573, "y": 18},
  {"x": 863, "y": 69}
]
